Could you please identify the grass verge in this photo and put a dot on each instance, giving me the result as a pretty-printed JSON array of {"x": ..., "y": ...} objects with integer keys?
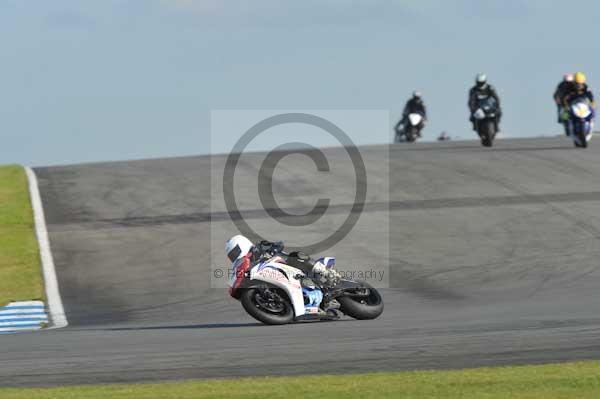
[
  {"x": 556, "y": 381},
  {"x": 20, "y": 273}
]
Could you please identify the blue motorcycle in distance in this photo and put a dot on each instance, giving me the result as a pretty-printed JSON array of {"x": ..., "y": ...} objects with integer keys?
[{"x": 581, "y": 121}]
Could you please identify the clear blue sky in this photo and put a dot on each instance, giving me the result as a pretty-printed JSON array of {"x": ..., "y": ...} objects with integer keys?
[{"x": 86, "y": 81}]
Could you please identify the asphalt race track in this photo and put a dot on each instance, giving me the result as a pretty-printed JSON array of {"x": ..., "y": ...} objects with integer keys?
[{"x": 493, "y": 257}]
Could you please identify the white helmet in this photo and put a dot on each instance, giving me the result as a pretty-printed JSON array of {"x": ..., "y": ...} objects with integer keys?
[
  {"x": 481, "y": 79},
  {"x": 237, "y": 247}
]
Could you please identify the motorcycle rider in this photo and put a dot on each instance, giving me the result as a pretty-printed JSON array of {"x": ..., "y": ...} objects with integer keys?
[
  {"x": 579, "y": 89},
  {"x": 483, "y": 89},
  {"x": 243, "y": 254},
  {"x": 415, "y": 105},
  {"x": 562, "y": 89}
]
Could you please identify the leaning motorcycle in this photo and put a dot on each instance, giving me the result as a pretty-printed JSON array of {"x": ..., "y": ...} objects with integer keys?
[
  {"x": 485, "y": 117},
  {"x": 580, "y": 123},
  {"x": 409, "y": 128},
  {"x": 275, "y": 292}
]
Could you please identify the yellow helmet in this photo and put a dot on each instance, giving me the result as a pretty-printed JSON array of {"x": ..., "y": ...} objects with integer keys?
[{"x": 580, "y": 78}]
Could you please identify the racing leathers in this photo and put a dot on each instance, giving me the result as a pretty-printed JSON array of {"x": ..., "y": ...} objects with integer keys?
[
  {"x": 561, "y": 91},
  {"x": 415, "y": 106},
  {"x": 483, "y": 91},
  {"x": 578, "y": 91}
]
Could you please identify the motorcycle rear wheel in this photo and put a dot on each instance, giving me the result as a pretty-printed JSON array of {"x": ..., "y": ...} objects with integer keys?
[
  {"x": 362, "y": 304},
  {"x": 269, "y": 305}
]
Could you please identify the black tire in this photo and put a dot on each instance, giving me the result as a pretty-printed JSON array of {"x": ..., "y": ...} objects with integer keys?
[
  {"x": 362, "y": 307},
  {"x": 581, "y": 136},
  {"x": 251, "y": 301},
  {"x": 487, "y": 131},
  {"x": 411, "y": 134},
  {"x": 566, "y": 126}
]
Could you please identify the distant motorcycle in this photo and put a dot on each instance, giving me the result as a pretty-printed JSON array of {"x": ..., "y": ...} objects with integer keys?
[
  {"x": 580, "y": 122},
  {"x": 485, "y": 120},
  {"x": 409, "y": 128}
]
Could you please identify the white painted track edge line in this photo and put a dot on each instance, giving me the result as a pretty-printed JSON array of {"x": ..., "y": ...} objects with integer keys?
[
  {"x": 22, "y": 312},
  {"x": 55, "y": 305}
]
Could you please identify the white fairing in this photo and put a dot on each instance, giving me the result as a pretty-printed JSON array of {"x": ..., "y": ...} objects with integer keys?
[
  {"x": 581, "y": 110},
  {"x": 415, "y": 119},
  {"x": 479, "y": 114},
  {"x": 274, "y": 272},
  {"x": 590, "y": 134}
]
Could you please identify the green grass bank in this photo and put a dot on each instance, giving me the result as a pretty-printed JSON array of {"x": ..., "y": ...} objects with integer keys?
[
  {"x": 556, "y": 381},
  {"x": 20, "y": 273}
]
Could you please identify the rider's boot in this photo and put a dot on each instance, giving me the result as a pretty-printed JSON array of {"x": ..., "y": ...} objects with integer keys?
[
  {"x": 313, "y": 296},
  {"x": 568, "y": 127}
]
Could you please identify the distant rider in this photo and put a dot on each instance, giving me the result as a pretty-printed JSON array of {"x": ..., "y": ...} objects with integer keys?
[
  {"x": 579, "y": 89},
  {"x": 415, "y": 105},
  {"x": 562, "y": 89},
  {"x": 243, "y": 254},
  {"x": 483, "y": 89}
]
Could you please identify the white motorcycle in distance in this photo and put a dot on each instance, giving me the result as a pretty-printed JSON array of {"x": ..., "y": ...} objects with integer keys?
[
  {"x": 409, "y": 128},
  {"x": 581, "y": 121},
  {"x": 485, "y": 120},
  {"x": 273, "y": 291}
]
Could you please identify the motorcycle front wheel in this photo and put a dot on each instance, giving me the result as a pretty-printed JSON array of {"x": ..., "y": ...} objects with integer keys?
[
  {"x": 581, "y": 138},
  {"x": 487, "y": 132},
  {"x": 411, "y": 134},
  {"x": 362, "y": 303},
  {"x": 268, "y": 305}
]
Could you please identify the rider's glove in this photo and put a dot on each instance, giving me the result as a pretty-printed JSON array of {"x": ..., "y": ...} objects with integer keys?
[
  {"x": 270, "y": 248},
  {"x": 333, "y": 277},
  {"x": 328, "y": 276}
]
